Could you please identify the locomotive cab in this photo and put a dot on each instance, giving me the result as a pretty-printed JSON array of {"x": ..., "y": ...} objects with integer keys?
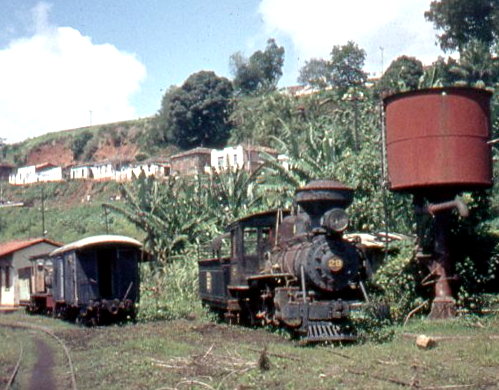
[{"x": 41, "y": 300}]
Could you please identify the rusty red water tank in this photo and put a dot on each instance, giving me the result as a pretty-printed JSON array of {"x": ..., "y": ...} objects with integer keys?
[{"x": 438, "y": 138}]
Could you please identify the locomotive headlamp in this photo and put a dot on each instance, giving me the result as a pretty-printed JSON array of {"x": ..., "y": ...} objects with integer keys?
[
  {"x": 335, "y": 220},
  {"x": 335, "y": 264}
]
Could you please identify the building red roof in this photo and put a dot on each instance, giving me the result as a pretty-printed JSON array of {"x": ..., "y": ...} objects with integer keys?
[
  {"x": 45, "y": 165},
  {"x": 9, "y": 247}
]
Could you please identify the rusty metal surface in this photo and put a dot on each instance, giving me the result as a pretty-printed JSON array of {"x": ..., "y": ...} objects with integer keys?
[
  {"x": 318, "y": 196},
  {"x": 438, "y": 137}
]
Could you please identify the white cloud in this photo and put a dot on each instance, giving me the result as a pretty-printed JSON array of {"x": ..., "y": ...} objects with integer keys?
[
  {"x": 59, "y": 79},
  {"x": 315, "y": 26}
]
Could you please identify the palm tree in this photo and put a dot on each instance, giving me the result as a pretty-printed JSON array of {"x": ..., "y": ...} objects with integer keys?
[
  {"x": 477, "y": 67},
  {"x": 171, "y": 213}
]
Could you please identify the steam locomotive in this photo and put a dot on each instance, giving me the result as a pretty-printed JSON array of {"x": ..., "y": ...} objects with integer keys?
[
  {"x": 93, "y": 281},
  {"x": 292, "y": 270}
]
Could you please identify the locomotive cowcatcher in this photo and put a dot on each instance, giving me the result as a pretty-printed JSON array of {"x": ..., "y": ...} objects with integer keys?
[{"x": 293, "y": 270}]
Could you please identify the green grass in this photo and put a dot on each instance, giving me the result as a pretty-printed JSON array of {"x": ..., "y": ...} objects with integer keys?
[
  {"x": 15, "y": 339},
  {"x": 201, "y": 355},
  {"x": 68, "y": 214}
]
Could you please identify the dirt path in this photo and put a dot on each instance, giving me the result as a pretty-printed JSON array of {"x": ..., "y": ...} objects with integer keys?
[{"x": 42, "y": 376}]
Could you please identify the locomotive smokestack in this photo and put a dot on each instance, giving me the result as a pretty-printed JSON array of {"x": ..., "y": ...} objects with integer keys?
[{"x": 320, "y": 196}]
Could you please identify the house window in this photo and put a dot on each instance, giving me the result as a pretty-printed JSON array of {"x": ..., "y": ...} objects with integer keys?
[
  {"x": 220, "y": 161},
  {"x": 235, "y": 159},
  {"x": 7, "y": 277}
]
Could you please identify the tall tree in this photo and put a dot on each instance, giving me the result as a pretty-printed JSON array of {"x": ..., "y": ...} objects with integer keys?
[
  {"x": 261, "y": 72},
  {"x": 316, "y": 73},
  {"x": 347, "y": 63},
  {"x": 196, "y": 114},
  {"x": 477, "y": 66},
  {"x": 258, "y": 118},
  {"x": 464, "y": 20},
  {"x": 403, "y": 74}
]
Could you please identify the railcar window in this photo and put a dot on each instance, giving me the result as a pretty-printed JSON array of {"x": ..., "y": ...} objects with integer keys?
[
  {"x": 266, "y": 240},
  {"x": 250, "y": 241}
]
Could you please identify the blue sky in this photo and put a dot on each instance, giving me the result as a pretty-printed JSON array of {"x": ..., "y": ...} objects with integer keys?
[{"x": 69, "y": 63}]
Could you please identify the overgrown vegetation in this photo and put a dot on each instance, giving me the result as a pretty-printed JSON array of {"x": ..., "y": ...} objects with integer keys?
[
  {"x": 333, "y": 133},
  {"x": 71, "y": 211},
  {"x": 200, "y": 355}
]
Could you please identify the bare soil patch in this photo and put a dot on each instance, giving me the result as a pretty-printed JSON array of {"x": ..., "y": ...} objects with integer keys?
[{"x": 42, "y": 375}]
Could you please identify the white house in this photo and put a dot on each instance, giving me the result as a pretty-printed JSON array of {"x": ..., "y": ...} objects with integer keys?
[
  {"x": 36, "y": 173},
  {"x": 229, "y": 157},
  {"x": 80, "y": 172},
  {"x": 247, "y": 157},
  {"x": 152, "y": 167},
  {"x": 105, "y": 170},
  {"x": 15, "y": 268},
  {"x": 48, "y": 172}
]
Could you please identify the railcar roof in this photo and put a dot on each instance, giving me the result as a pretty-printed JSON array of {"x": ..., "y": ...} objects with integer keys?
[{"x": 95, "y": 241}]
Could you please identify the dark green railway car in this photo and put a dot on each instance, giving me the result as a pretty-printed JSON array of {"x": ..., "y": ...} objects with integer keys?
[{"x": 96, "y": 279}]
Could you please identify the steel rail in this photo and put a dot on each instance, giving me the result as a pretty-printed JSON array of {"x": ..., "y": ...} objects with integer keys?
[
  {"x": 48, "y": 331},
  {"x": 16, "y": 368}
]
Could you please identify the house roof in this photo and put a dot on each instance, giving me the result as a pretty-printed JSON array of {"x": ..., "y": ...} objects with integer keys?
[
  {"x": 192, "y": 152},
  {"x": 9, "y": 247},
  {"x": 155, "y": 160},
  {"x": 46, "y": 165},
  {"x": 258, "y": 148}
]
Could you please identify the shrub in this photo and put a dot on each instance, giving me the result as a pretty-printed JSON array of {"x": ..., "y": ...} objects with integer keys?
[
  {"x": 397, "y": 281},
  {"x": 171, "y": 291}
]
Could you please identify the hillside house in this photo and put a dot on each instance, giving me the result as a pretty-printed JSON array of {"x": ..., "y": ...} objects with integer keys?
[
  {"x": 192, "y": 162},
  {"x": 247, "y": 157},
  {"x": 105, "y": 170},
  {"x": 6, "y": 170},
  {"x": 157, "y": 167},
  {"x": 80, "y": 172},
  {"x": 15, "y": 268},
  {"x": 46, "y": 172}
]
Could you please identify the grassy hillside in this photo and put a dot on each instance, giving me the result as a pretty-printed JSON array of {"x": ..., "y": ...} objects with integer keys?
[
  {"x": 72, "y": 210},
  {"x": 129, "y": 139}
]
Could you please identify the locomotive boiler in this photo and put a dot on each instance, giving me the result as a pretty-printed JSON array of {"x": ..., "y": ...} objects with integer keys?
[{"x": 293, "y": 270}]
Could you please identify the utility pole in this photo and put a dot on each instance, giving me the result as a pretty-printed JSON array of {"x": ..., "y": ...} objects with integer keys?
[
  {"x": 382, "y": 64},
  {"x": 43, "y": 212},
  {"x": 106, "y": 211}
]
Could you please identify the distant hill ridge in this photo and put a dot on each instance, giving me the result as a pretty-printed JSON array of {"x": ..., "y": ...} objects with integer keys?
[{"x": 128, "y": 140}]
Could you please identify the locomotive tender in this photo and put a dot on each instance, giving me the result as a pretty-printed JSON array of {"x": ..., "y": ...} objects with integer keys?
[
  {"x": 290, "y": 270},
  {"x": 94, "y": 281}
]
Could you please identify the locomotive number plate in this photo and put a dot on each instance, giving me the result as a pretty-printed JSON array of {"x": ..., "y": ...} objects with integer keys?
[{"x": 335, "y": 264}]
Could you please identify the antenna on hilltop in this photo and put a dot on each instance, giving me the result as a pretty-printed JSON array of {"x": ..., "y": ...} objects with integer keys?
[{"x": 381, "y": 49}]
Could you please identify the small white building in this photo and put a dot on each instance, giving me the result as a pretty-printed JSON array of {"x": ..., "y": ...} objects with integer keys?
[
  {"x": 105, "y": 170},
  {"x": 15, "y": 268},
  {"x": 247, "y": 157},
  {"x": 152, "y": 167},
  {"x": 231, "y": 157},
  {"x": 36, "y": 173},
  {"x": 80, "y": 172}
]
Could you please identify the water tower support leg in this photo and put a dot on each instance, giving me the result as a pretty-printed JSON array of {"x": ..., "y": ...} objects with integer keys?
[{"x": 444, "y": 305}]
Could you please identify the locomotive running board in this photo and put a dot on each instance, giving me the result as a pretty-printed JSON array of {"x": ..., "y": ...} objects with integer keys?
[{"x": 318, "y": 332}]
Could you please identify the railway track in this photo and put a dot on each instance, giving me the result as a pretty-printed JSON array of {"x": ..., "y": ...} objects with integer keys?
[
  {"x": 44, "y": 330},
  {"x": 13, "y": 375}
]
